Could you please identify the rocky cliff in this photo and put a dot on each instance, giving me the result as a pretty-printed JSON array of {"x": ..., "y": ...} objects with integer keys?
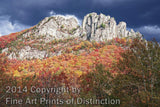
[
  {"x": 55, "y": 27},
  {"x": 102, "y": 27},
  {"x": 94, "y": 27},
  {"x": 38, "y": 41}
]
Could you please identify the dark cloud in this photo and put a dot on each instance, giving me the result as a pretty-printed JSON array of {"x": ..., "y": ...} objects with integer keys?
[
  {"x": 150, "y": 32},
  {"x": 132, "y": 11},
  {"x": 136, "y": 13}
]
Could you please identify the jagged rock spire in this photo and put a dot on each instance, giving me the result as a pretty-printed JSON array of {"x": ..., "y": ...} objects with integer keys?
[{"x": 101, "y": 27}]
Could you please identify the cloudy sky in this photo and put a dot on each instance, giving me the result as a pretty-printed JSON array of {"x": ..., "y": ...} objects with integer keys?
[{"x": 141, "y": 15}]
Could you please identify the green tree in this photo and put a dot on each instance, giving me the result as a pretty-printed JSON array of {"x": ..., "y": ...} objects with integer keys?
[{"x": 138, "y": 82}]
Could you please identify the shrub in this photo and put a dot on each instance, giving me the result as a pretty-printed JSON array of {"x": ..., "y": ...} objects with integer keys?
[{"x": 103, "y": 25}]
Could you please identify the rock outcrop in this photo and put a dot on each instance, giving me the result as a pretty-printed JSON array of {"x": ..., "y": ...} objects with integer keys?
[
  {"x": 94, "y": 28},
  {"x": 55, "y": 27},
  {"x": 101, "y": 27},
  {"x": 29, "y": 53}
]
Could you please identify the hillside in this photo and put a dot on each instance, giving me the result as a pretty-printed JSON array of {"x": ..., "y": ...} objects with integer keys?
[{"x": 99, "y": 60}]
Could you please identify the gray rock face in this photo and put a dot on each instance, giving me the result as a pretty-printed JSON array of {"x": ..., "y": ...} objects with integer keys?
[
  {"x": 56, "y": 27},
  {"x": 94, "y": 27},
  {"x": 29, "y": 53},
  {"x": 101, "y": 27}
]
